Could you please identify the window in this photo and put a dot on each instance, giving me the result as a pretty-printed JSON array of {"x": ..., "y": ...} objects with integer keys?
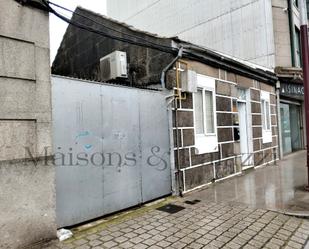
[
  {"x": 266, "y": 118},
  {"x": 295, "y": 3},
  {"x": 209, "y": 111},
  {"x": 298, "y": 62},
  {"x": 265, "y": 115},
  {"x": 199, "y": 115},
  {"x": 204, "y": 116}
]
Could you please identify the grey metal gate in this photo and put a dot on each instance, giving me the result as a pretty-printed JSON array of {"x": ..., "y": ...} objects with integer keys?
[{"x": 111, "y": 147}]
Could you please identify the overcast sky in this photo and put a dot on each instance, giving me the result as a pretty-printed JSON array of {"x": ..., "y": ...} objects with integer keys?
[{"x": 58, "y": 27}]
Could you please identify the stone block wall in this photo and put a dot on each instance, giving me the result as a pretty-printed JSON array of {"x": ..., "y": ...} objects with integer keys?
[
  {"x": 80, "y": 51},
  {"x": 201, "y": 169},
  {"x": 264, "y": 153}
]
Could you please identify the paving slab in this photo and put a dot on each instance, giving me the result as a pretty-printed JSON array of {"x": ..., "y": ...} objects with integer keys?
[
  {"x": 277, "y": 187},
  {"x": 242, "y": 233},
  {"x": 241, "y": 212}
]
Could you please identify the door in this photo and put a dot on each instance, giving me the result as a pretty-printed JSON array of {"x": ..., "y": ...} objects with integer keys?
[
  {"x": 290, "y": 127},
  {"x": 246, "y": 155},
  {"x": 112, "y": 148},
  {"x": 295, "y": 117},
  {"x": 285, "y": 128}
]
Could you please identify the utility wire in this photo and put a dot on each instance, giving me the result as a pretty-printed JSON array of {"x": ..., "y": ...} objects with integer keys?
[
  {"x": 107, "y": 27},
  {"x": 148, "y": 44}
]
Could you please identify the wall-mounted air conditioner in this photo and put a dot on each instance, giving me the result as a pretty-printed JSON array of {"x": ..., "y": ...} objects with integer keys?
[
  {"x": 189, "y": 81},
  {"x": 113, "y": 66}
]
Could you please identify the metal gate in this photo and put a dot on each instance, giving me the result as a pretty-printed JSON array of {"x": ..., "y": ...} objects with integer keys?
[{"x": 111, "y": 147}]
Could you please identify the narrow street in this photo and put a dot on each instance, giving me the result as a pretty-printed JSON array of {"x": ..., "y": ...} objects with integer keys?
[
  {"x": 154, "y": 124},
  {"x": 234, "y": 213}
]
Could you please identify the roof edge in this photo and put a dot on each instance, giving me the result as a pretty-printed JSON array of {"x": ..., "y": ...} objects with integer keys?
[{"x": 214, "y": 58}]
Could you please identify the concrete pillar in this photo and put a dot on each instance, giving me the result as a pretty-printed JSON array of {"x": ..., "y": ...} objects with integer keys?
[{"x": 27, "y": 182}]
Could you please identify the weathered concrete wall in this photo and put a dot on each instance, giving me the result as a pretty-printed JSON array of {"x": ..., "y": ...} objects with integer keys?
[
  {"x": 80, "y": 51},
  {"x": 200, "y": 169},
  {"x": 27, "y": 196}
]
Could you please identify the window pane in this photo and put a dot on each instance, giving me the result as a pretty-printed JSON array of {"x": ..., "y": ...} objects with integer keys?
[
  {"x": 298, "y": 48},
  {"x": 209, "y": 112},
  {"x": 267, "y": 115},
  {"x": 263, "y": 114},
  {"x": 296, "y": 3},
  {"x": 198, "y": 111}
]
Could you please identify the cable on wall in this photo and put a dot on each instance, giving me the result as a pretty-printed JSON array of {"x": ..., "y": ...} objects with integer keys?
[
  {"x": 105, "y": 26},
  {"x": 149, "y": 44}
]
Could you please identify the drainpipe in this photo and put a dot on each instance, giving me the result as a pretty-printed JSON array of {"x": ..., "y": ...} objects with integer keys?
[
  {"x": 178, "y": 171},
  {"x": 305, "y": 60},
  {"x": 292, "y": 31},
  {"x": 169, "y": 99},
  {"x": 169, "y": 66},
  {"x": 279, "y": 120},
  {"x": 163, "y": 74}
]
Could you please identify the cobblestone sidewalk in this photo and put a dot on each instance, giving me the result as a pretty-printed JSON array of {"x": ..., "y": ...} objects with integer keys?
[{"x": 201, "y": 225}]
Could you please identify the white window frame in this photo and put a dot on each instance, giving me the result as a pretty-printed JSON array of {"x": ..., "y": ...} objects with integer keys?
[
  {"x": 207, "y": 142},
  {"x": 266, "y": 132}
]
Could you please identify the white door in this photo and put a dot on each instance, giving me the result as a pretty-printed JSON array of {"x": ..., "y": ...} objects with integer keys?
[{"x": 245, "y": 140}]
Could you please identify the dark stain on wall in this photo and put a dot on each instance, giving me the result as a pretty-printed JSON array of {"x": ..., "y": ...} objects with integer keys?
[
  {"x": 225, "y": 134},
  {"x": 224, "y": 168},
  {"x": 80, "y": 51},
  {"x": 199, "y": 176},
  {"x": 224, "y": 119},
  {"x": 223, "y": 104}
]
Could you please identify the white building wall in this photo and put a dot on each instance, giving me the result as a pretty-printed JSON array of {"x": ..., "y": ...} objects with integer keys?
[{"x": 242, "y": 28}]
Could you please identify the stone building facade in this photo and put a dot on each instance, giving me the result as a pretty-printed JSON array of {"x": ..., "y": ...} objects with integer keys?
[
  {"x": 231, "y": 139},
  {"x": 201, "y": 169},
  {"x": 27, "y": 196}
]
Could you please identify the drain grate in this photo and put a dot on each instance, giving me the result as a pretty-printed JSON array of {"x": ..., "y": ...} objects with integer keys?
[
  {"x": 192, "y": 202},
  {"x": 170, "y": 208}
]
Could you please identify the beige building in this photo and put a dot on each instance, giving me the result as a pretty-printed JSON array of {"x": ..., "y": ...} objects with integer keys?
[
  {"x": 286, "y": 27},
  {"x": 27, "y": 201}
]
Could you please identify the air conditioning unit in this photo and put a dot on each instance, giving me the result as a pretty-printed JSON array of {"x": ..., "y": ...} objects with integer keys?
[
  {"x": 189, "y": 81},
  {"x": 113, "y": 66}
]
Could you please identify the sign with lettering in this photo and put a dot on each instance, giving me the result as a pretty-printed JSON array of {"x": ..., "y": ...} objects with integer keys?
[{"x": 292, "y": 89}]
